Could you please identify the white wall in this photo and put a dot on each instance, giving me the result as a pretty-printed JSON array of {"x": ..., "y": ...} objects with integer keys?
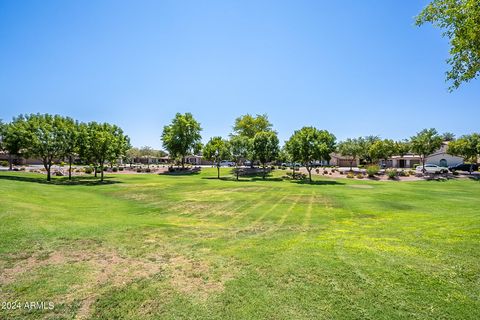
[{"x": 451, "y": 160}]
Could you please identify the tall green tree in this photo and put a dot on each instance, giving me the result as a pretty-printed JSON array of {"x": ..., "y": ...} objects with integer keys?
[
  {"x": 467, "y": 146},
  {"x": 46, "y": 138},
  {"x": 402, "y": 147},
  {"x": 182, "y": 137},
  {"x": 239, "y": 147},
  {"x": 425, "y": 143},
  {"x": 382, "y": 150},
  {"x": 215, "y": 150},
  {"x": 71, "y": 130},
  {"x": 312, "y": 145},
  {"x": 365, "y": 143},
  {"x": 102, "y": 142},
  {"x": 292, "y": 150},
  {"x": 448, "y": 136},
  {"x": 350, "y": 148},
  {"x": 248, "y": 126},
  {"x": 14, "y": 138},
  {"x": 460, "y": 20},
  {"x": 265, "y": 148},
  {"x": 131, "y": 155},
  {"x": 3, "y": 128}
]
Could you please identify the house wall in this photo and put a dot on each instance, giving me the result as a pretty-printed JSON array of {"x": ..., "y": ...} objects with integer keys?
[{"x": 451, "y": 160}]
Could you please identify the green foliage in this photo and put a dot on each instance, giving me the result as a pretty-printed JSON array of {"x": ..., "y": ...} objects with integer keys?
[
  {"x": 392, "y": 173},
  {"x": 372, "y": 170},
  {"x": 382, "y": 149},
  {"x": 351, "y": 148},
  {"x": 460, "y": 20},
  {"x": 309, "y": 144},
  {"x": 182, "y": 137},
  {"x": 448, "y": 136},
  {"x": 350, "y": 175},
  {"x": 425, "y": 143},
  {"x": 265, "y": 147},
  {"x": 102, "y": 142},
  {"x": 365, "y": 143},
  {"x": 248, "y": 125},
  {"x": 402, "y": 147},
  {"x": 3, "y": 163},
  {"x": 467, "y": 146},
  {"x": 216, "y": 150}
]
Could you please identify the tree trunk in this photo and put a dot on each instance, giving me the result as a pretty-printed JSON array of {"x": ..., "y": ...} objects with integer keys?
[
  {"x": 423, "y": 164},
  {"x": 264, "y": 172},
  {"x": 309, "y": 169},
  {"x": 218, "y": 172},
  {"x": 95, "y": 169},
  {"x": 471, "y": 168},
  {"x": 101, "y": 174},
  {"x": 49, "y": 170},
  {"x": 293, "y": 171},
  {"x": 70, "y": 168},
  {"x": 237, "y": 172},
  {"x": 183, "y": 162},
  {"x": 351, "y": 165}
]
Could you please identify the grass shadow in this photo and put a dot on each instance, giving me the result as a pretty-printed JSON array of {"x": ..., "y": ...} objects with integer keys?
[
  {"x": 180, "y": 172},
  {"x": 63, "y": 181},
  {"x": 318, "y": 182}
]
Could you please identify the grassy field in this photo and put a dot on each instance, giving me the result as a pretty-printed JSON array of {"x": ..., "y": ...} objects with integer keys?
[{"x": 159, "y": 246}]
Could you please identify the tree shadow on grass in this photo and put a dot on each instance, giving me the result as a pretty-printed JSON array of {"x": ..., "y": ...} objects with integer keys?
[
  {"x": 243, "y": 179},
  {"x": 63, "y": 181},
  {"x": 318, "y": 182}
]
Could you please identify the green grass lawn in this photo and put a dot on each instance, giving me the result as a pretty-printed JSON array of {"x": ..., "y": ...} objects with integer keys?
[{"x": 160, "y": 246}]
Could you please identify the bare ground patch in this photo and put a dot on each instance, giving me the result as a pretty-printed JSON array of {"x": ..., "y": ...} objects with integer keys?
[{"x": 111, "y": 269}]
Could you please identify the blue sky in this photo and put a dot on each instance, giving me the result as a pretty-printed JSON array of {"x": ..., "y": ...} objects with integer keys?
[{"x": 351, "y": 67}]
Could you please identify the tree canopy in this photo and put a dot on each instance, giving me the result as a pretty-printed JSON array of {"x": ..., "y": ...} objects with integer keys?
[
  {"x": 425, "y": 143},
  {"x": 467, "y": 146},
  {"x": 239, "y": 148},
  {"x": 216, "y": 150},
  {"x": 182, "y": 137},
  {"x": 309, "y": 145},
  {"x": 351, "y": 148},
  {"x": 102, "y": 142},
  {"x": 460, "y": 20},
  {"x": 265, "y": 147}
]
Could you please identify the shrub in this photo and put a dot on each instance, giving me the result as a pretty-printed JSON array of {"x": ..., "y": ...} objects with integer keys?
[
  {"x": 148, "y": 170},
  {"x": 341, "y": 172},
  {"x": 330, "y": 173},
  {"x": 114, "y": 169},
  {"x": 317, "y": 170},
  {"x": 372, "y": 170},
  {"x": 22, "y": 168},
  {"x": 88, "y": 170},
  {"x": 139, "y": 170},
  {"x": 120, "y": 169},
  {"x": 392, "y": 174},
  {"x": 325, "y": 172},
  {"x": 455, "y": 173},
  {"x": 4, "y": 163},
  {"x": 350, "y": 175},
  {"x": 359, "y": 176}
]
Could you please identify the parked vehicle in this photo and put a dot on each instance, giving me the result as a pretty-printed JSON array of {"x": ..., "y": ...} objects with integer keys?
[
  {"x": 226, "y": 163},
  {"x": 464, "y": 167},
  {"x": 432, "y": 168}
]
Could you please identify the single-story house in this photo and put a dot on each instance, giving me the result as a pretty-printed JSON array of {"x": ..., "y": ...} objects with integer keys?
[{"x": 440, "y": 158}]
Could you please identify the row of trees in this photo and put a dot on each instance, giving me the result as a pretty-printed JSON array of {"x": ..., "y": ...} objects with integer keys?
[
  {"x": 253, "y": 138},
  {"x": 52, "y": 138}
]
